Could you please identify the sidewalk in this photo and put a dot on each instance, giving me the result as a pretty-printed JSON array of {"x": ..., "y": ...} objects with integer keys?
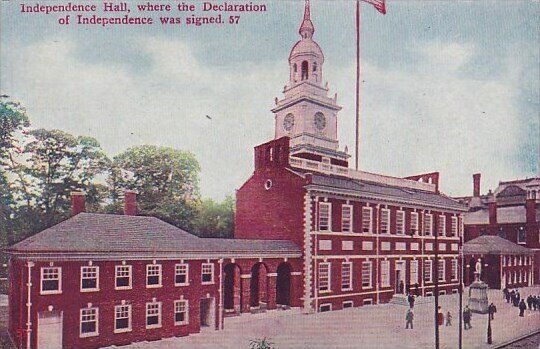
[{"x": 381, "y": 327}]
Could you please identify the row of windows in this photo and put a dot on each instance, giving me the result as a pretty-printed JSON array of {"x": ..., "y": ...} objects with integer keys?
[
  {"x": 516, "y": 261},
  {"x": 325, "y": 274},
  {"x": 89, "y": 317},
  {"x": 51, "y": 277},
  {"x": 325, "y": 222},
  {"x": 517, "y": 277}
]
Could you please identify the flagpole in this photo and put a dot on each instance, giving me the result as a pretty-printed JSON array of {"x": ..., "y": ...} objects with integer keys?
[{"x": 357, "y": 82}]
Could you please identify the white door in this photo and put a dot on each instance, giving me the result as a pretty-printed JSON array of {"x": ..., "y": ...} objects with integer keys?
[{"x": 49, "y": 330}]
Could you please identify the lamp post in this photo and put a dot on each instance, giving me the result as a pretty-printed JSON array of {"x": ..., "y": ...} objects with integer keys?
[{"x": 489, "y": 339}]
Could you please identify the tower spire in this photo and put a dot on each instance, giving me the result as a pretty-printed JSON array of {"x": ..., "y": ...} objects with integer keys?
[{"x": 306, "y": 28}]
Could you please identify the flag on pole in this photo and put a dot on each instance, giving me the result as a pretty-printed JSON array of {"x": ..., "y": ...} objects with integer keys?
[{"x": 378, "y": 4}]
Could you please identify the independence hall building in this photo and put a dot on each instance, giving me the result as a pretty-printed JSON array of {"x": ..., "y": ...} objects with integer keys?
[{"x": 310, "y": 233}]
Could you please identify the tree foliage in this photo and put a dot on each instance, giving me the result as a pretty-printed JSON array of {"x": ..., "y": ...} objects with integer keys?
[
  {"x": 215, "y": 219},
  {"x": 166, "y": 179}
]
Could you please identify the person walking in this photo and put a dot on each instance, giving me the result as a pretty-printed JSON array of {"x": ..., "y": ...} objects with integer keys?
[
  {"x": 529, "y": 302},
  {"x": 467, "y": 315},
  {"x": 522, "y": 307},
  {"x": 492, "y": 309},
  {"x": 440, "y": 317},
  {"x": 409, "y": 317},
  {"x": 448, "y": 319},
  {"x": 411, "y": 299}
]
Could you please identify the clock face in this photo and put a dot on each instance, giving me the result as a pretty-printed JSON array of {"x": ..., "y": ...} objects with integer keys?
[
  {"x": 288, "y": 122},
  {"x": 319, "y": 121}
]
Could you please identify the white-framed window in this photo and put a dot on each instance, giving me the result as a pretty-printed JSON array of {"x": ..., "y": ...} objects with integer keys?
[
  {"x": 503, "y": 258},
  {"x": 428, "y": 224},
  {"x": 324, "y": 277},
  {"x": 122, "y": 318},
  {"x": 414, "y": 223},
  {"x": 385, "y": 273},
  {"x": 385, "y": 221},
  {"x": 520, "y": 260},
  {"x": 454, "y": 226},
  {"x": 346, "y": 218},
  {"x": 400, "y": 222},
  {"x": 428, "y": 270},
  {"x": 89, "y": 325},
  {"x": 153, "y": 275},
  {"x": 441, "y": 229},
  {"x": 325, "y": 213},
  {"x": 181, "y": 312},
  {"x": 325, "y": 307},
  {"x": 181, "y": 274},
  {"x": 454, "y": 270},
  {"x": 89, "y": 278},
  {"x": 367, "y": 275},
  {"x": 442, "y": 270},
  {"x": 207, "y": 273},
  {"x": 122, "y": 277},
  {"x": 153, "y": 315},
  {"x": 51, "y": 280},
  {"x": 520, "y": 276},
  {"x": 347, "y": 304},
  {"x": 346, "y": 276},
  {"x": 367, "y": 219},
  {"x": 414, "y": 272},
  {"x": 521, "y": 235}
]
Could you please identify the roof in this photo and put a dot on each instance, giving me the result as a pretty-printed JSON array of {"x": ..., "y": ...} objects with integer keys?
[
  {"x": 120, "y": 234},
  {"x": 490, "y": 244},
  {"x": 505, "y": 215},
  {"x": 371, "y": 189}
]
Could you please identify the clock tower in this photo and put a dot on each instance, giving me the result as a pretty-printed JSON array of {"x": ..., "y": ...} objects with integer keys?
[{"x": 306, "y": 114}]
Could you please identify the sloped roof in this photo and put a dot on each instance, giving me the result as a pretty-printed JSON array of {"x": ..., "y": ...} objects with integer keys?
[
  {"x": 107, "y": 233},
  {"x": 490, "y": 244},
  {"x": 378, "y": 189},
  {"x": 505, "y": 215}
]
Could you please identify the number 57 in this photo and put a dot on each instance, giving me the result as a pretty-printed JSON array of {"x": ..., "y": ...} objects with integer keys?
[{"x": 234, "y": 19}]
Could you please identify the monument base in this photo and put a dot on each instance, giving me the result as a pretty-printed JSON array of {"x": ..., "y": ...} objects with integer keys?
[{"x": 478, "y": 298}]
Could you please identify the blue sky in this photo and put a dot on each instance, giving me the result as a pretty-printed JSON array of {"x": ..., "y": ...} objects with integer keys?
[{"x": 449, "y": 86}]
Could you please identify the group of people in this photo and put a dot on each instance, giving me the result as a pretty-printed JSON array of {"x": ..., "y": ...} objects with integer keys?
[{"x": 532, "y": 302}]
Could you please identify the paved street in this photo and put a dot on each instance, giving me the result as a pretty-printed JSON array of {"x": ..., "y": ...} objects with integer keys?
[{"x": 365, "y": 327}]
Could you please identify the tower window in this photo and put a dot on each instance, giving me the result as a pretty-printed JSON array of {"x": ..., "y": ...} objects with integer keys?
[
  {"x": 314, "y": 66},
  {"x": 294, "y": 67},
  {"x": 305, "y": 70}
]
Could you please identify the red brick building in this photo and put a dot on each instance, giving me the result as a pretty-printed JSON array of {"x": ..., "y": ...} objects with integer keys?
[
  {"x": 97, "y": 280},
  {"x": 511, "y": 212},
  {"x": 364, "y": 236}
]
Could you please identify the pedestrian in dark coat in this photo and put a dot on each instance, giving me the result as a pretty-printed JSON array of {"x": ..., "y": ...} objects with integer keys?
[
  {"x": 410, "y": 298},
  {"x": 522, "y": 308},
  {"x": 492, "y": 309},
  {"x": 467, "y": 315},
  {"x": 409, "y": 317},
  {"x": 529, "y": 302},
  {"x": 440, "y": 317}
]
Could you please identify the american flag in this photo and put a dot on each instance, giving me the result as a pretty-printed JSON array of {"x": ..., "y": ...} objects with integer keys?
[{"x": 378, "y": 4}]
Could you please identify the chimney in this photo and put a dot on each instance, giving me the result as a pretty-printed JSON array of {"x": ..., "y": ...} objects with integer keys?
[
  {"x": 492, "y": 209},
  {"x": 530, "y": 209},
  {"x": 78, "y": 203},
  {"x": 130, "y": 203},
  {"x": 476, "y": 184}
]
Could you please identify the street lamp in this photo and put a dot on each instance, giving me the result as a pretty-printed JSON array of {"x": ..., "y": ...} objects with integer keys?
[{"x": 489, "y": 339}]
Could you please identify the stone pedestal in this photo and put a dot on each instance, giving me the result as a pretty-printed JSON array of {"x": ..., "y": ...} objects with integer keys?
[{"x": 478, "y": 297}]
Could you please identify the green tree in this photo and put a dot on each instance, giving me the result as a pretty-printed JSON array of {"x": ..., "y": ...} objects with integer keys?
[
  {"x": 215, "y": 219},
  {"x": 57, "y": 163},
  {"x": 166, "y": 179}
]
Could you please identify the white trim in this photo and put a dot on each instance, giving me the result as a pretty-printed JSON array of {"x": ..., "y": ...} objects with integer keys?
[
  {"x": 129, "y": 268},
  {"x": 400, "y": 228},
  {"x": 159, "y": 269},
  {"x": 96, "y": 315},
  {"x": 416, "y": 229},
  {"x": 212, "y": 272},
  {"x": 373, "y": 256},
  {"x": 129, "y": 311},
  {"x": 186, "y": 312},
  {"x": 430, "y": 268},
  {"x": 96, "y": 270},
  {"x": 385, "y": 212},
  {"x": 328, "y": 205},
  {"x": 321, "y": 266},
  {"x": 370, "y": 264},
  {"x": 367, "y": 210},
  {"x": 159, "y": 314},
  {"x": 441, "y": 226},
  {"x": 349, "y": 276},
  {"x": 350, "y": 219},
  {"x": 325, "y": 305},
  {"x": 186, "y": 272},
  {"x": 443, "y": 270},
  {"x": 347, "y": 304},
  {"x": 385, "y": 273},
  {"x": 428, "y": 217},
  {"x": 58, "y": 278}
]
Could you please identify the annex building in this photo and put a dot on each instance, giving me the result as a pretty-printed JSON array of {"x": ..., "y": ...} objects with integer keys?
[{"x": 311, "y": 233}]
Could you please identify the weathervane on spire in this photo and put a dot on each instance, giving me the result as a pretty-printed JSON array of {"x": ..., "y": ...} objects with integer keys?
[{"x": 306, "y": 28}]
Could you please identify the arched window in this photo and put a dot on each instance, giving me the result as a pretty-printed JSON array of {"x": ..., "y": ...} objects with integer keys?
[
  {"x": 314, "y": 66},
  {"x": 305, "y": 70}
]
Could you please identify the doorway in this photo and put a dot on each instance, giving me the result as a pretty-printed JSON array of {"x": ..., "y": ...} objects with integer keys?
[
  {"x": 207, "y": 313},
  {"x": 400, "y": 277},
  {"x": 49, "y": 331}
]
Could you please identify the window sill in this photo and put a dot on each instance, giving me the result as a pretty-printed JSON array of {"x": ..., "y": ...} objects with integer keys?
[
  {"x": 154, "y": 286},
  {"x": 186, "y": 284},
  {"x": 346, "y": 289},
  {"x": 207, "y": 283},
  {"x": 86, "y": 335},
  {"x": 124, "y": 330},
  {"x": 122, "y": 288},
  {"x": 90, "y": 290},
  {"x": 151, "y": 327},
  {"x": 325, "y": 291},
  {"x": 181, "y": 323},
  {"x": 50, "y": 292}
]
